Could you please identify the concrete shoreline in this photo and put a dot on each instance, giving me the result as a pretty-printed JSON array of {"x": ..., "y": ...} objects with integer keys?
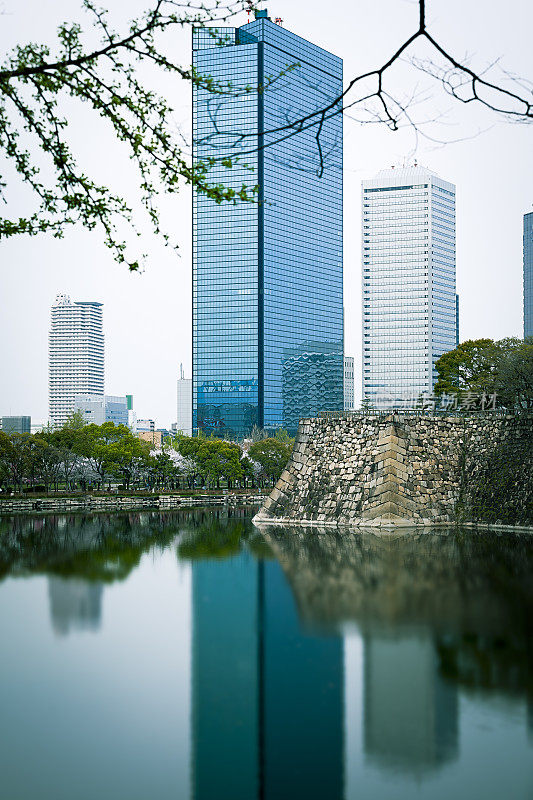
[
  {"x": 396, "y": 526},
  {"x": 121, "y": 503}
]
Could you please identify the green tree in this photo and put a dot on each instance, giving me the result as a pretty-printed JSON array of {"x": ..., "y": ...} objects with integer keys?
[
  {"x": 68, "y": 440},
  {"x": 163, "y": 468},
  {"x": 482, "y": 366},
  {"x": 513, "y": 382},
  {"x": 104, "y": 446},
  {"x": 214, "y": 458},
  {"x": 271, "y": 455},
  {"x": 38, "y": 86},
  {"x": 16, "y": 457},
  {"x": 366, "y": 404},
  {"x": 46, "y": 461},
  {"x": 127, "y": 455},
  {"x": 469, "y": 367},
  {"x": 283, "y": 436}
]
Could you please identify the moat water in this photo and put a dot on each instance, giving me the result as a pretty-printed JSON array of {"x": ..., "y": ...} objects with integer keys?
[{"x": 190, "y": 655}]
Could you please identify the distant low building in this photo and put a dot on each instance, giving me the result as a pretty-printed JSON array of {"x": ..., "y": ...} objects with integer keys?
[
  {"x": 132, "y": 416},
  {"x": 145, "y": 425},
  {"x": 154, "y": 437},
  {"x": 97, "y": 409},
  {"x": 528, "y": 274},
  {"x": 348, "y": 383},
  {"x": 184, "y": 408},
  {"x": 16, "y": 424}
]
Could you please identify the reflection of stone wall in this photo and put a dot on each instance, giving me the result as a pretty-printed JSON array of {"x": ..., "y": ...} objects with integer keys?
[
  {"x": 470, "y": 591},
  {"x": 406, "y": 469},
  {"x": 446, "y": 579}
]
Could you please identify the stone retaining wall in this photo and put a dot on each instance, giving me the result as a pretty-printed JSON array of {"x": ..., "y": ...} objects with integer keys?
[{"x": 403, "y": 469}]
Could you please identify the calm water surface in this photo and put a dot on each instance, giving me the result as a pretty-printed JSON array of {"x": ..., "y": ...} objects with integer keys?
[{"x": 189, "y": 655}]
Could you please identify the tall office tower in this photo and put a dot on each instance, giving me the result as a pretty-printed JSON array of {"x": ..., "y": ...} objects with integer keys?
[
  {"x": 528, "y": 274},
  {"x": 184, "y": 406},
  {"x": 76, "y": 355},
  {"x": 409, "y": 299},
  {"x": 267, "y": 275},
  {"x": 348, "y": 383}
]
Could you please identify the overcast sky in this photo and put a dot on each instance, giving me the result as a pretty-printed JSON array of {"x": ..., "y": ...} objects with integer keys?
[{"x": 147, "y": 318}]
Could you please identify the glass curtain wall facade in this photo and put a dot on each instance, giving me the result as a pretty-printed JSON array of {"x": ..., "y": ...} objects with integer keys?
[
  {"x": 409, "y": 293},
  {"x": 267, "y": 275},
  {"x": 528, "y": 274}
]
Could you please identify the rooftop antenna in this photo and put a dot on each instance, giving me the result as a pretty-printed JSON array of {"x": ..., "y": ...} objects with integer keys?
[
  {"x": 181, "y": 371},
  {"x": 249, "y": 8}
]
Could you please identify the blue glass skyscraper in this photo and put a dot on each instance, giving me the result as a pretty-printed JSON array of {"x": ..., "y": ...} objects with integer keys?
[
  {"x": 528, "y": 274},
  {"x": 267, "y": 275}
]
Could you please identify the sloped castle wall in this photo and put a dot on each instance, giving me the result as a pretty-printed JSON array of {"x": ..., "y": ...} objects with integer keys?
[{"x": 405, "y": 470}]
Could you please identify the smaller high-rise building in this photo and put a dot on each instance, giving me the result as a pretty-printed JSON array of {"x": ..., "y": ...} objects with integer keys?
[
  {"x": 528, "y": 274},
  {"x": 16, "y": 424},
  {"x": 184, "y": 408},
  {"x": 132, "y": 415},
  {"x": 76, "y": 355},
  {"x": 348, "y": 383},
  {"x": 97, "y": 409}
]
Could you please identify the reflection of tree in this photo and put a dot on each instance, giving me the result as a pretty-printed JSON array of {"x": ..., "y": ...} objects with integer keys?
[
  {"x": 102, "y": 547},
  {"x": 212, "y": 540},
  {"x": 221, "y": 535},
  {"x": 107, "y": 547},
  {"x": 488, "y": 663}
]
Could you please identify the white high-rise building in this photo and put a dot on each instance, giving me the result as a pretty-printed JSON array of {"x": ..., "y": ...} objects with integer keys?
[
  {"x": 76, "y": 355},
  {"x": 348, "y": 383},
  {"x": 409, "y": 300},
  {"x": 184, "y": 409}
]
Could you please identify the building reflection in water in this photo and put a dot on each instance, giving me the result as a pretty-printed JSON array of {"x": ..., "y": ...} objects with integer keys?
[
  {"x": 267, "y": 697},
  {"x": 410, "y": 712},
  {"x": 74, "y": 604}
]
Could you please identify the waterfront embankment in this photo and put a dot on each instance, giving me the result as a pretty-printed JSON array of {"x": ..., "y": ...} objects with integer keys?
[{"x": 116, "y": 502}]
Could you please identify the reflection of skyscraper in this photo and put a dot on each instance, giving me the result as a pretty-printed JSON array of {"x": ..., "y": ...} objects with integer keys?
[
  {"x": 267, "y": 698},
  {"x": 410, "y": 713},
  {"x": 225, "y": 680},
  {"x": 303, "y": 682},
  {"x": 74, "y": 604},
  {"x": 528, "y": 274}
]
